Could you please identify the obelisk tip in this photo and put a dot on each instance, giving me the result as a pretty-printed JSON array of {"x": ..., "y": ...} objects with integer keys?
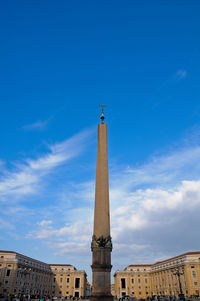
[{"x": 102, "y": 113}]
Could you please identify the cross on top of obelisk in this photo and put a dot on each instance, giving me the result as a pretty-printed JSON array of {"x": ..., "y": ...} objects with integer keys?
[{"x": 102, "y": 112}]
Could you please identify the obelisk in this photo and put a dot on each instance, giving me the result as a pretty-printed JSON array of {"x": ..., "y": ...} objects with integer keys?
[{"x": 101, "y": 245}]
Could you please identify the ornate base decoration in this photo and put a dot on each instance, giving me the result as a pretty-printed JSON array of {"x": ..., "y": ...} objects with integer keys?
[{"x": 101, "y": 242}]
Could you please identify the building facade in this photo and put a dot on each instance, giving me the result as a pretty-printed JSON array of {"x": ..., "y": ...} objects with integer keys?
[
  {"x": 180, "y": 274},
  {"x": 67, "y": 281},
  {"x": 133, "y": 281},
  {"x": 20, "y": 274}
]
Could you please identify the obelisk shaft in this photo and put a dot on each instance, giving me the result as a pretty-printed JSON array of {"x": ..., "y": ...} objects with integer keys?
[
  {"x": 101, "y": 241},
  {"x": 101, "y": 212}
]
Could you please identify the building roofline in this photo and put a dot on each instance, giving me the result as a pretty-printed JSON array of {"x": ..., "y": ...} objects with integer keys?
[
  {"x": 140, "y": 265},
  {"x": 12, "y": 252},
  {"x": 3, "y": 251},
  {"x": 178, "y": 256},
  {"x": 55, "y": 264},
  {"x": 166, "y": 260}
]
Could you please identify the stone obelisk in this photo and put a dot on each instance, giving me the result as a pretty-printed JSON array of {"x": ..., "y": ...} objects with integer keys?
[{"x": 101, "y": 241}]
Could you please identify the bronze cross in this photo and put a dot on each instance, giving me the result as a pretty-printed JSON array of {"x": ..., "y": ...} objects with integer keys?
[{"x": 102, "y": 112}]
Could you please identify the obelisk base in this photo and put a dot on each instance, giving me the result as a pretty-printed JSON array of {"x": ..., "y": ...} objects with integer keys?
[
  {"x": 101, "y": 298},
  {"x": 101, "y": 268}
]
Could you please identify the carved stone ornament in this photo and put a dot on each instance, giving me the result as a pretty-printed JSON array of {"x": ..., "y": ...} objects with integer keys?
[{"x": 101, "y": 242}]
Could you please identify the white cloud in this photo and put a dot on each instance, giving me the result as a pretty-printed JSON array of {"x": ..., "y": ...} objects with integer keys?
[
  {"x": 154, "y": 210},
  {"x": 159, "y": 171},
  {"x": 38, "y": 125},
  {"x": 155, "y": 201},
  {"x": 5, "y": 225},
  {"x": 44, "y": 223},
  {"x": 138, "y": 225},
  {"x": 27, "y": 176},
  {"x": 180, "y": 74}
]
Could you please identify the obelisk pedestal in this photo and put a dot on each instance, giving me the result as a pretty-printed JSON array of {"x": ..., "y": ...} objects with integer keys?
[{"x": 101, "y": 245}]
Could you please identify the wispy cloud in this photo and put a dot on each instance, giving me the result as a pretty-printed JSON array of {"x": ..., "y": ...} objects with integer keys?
[
  {"x": 146, "y": 201},
  {"x": 152, "y": 204},
  {"x": 38, "y": 125},
  {"x": 27, "y": 176},
  {"x": 163, "y": 93},
  {"x": 5, "y": 225},
  {"x": 159, "y": 171},
  {"x": 180, "y": 74}
]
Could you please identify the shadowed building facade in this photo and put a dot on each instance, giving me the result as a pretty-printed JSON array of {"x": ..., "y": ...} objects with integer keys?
[{"x": 101, "y": 245}]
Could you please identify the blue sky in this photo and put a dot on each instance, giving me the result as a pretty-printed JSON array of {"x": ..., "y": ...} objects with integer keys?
[{"x": 59, "y": 60}]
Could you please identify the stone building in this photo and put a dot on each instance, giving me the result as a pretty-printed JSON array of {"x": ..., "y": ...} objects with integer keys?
[
  {"x": 20, "y": 274},
  {"x": 133, "y": 281},
  {"x": 164, "y": 278},
  {"x": 167, "y": 277},
  {"x": 68, "y": 281}
]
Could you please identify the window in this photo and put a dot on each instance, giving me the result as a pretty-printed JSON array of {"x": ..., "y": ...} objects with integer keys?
[
  {"x": 195, "y": 283},
  {"x": 77, "y": 282},
  {"x": 61, "y": 279},
  {"x": 139, "y": 287},
  {"x": 67, "y": 293},
  {"x": 194, "y": 274},
  {"x": 60, "y": 286},
  {"x": 8, "y": 273},
  {"x": 139, "y": 281},
  {"x": 192, "y": 267},
  {"x": 54, "y": 279},
  {"x": 67, "y": 279},
  {"x": 145, "y": 280},
  {"x": 140, "y": 293},
  {"x": 132, "y": 280},
  {"x": 123, "y": 283}
]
